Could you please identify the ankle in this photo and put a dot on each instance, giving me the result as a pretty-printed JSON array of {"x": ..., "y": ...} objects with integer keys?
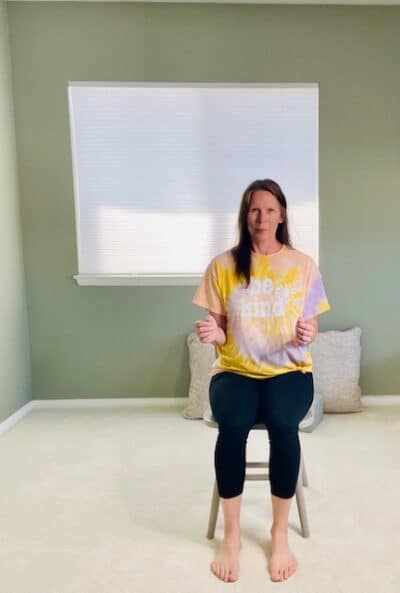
[
  {"x": 279, "y": 530},
  {"x": 232, "y": 535}
]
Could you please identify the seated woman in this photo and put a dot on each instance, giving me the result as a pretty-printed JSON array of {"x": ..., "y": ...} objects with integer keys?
[{"x": 263, "y": 297}]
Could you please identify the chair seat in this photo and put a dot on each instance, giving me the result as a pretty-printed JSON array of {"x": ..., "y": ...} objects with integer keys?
[{"x": 309, "y": 423}]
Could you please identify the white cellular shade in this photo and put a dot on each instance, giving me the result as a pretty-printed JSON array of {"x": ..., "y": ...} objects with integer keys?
[{"x": 159, "y": 170}]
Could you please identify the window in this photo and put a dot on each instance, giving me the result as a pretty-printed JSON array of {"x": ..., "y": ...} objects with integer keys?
[{"x": 159, "y": 170}]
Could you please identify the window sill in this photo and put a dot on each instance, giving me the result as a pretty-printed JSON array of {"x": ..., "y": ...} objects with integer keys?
[{"x": 132, "y": 280}]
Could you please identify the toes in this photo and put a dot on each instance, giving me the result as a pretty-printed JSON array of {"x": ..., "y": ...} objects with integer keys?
[
  {"x": 287, "y": 572},
  {"x": 217, "y": 570},
  {"x": 282, "y": 573},
  {"x": 276, "y": 575},
  {"x": 224, "y": 573}
]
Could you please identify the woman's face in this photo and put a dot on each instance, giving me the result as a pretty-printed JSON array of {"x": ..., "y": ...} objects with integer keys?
[{"x": 263, "y": 216}]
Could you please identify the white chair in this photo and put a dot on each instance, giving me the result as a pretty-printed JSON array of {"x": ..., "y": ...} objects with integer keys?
[{"x": 301, "y": 481}]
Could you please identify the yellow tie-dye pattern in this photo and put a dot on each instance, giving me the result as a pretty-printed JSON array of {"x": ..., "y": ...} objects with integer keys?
[
  {"x": 322, "y": 306},
  {"x": 278, "y": 328},
  {"x": 261, "y": 319}
]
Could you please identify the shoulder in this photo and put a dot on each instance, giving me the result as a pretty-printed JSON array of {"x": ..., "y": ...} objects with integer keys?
[
  {"x": 299, "y": 258},
  {"x": 223, "y": 260}
]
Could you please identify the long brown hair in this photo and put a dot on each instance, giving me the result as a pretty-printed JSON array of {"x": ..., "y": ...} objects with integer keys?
[{"x": 242, "y": 251}]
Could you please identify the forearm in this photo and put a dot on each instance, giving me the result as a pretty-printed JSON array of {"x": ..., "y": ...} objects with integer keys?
[{"x": 221, "y": 338}]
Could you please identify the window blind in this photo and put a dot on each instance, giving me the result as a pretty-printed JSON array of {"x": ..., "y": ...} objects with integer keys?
[{"x": 159, "y": 169}]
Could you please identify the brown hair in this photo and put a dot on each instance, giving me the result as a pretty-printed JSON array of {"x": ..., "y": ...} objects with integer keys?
[{"x": 242, "y": 251}]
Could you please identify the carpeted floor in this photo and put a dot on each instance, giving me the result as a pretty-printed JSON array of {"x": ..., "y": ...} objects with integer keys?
[{"x": 116, "y": 500}]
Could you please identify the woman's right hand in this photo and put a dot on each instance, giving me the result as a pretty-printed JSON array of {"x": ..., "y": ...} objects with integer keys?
[{"x": 208, "y": 330}]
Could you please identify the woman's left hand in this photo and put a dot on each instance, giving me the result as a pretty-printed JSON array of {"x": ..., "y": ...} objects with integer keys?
[{"x": 306, "y": 330}]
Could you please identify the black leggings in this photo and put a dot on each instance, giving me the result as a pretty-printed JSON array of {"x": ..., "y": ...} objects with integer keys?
[{"x": 238, "y": 402}]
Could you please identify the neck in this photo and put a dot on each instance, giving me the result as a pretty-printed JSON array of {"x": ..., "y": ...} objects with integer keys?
[{"x": 267, "y": 248}]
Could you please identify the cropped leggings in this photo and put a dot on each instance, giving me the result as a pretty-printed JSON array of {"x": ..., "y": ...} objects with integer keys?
[{"x": 238, "y": 402}]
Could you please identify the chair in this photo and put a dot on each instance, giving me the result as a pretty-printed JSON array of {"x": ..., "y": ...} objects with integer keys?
[{"x": 301, "y": 481}]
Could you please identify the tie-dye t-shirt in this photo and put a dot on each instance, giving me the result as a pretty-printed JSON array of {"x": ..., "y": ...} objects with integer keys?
[{"x": 261, "y": 319}]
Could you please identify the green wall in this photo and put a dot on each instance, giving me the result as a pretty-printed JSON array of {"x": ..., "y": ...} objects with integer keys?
[
  {"x": 15, "y": 385},
  {"x": 122, "y": 341}
]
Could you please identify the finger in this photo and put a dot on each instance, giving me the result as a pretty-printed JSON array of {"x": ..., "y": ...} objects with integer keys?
[
  {"x": 205, "y": 332},
  {"x": 306, "y": 336},
  {"x": 206, "y": 326},
  {"x": 206, "y": 339},
  {"x": 202, "y": 324},
  {"x": 309, "y": 332},
  {"x": 305, "y": 340},
  {"x": 305, "y": 331},
  {"x": 301, "y": 339}
]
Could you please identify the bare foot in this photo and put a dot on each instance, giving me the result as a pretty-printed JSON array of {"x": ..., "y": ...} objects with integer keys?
[
  {"x": 282, "y": 563},
  {"x": 226, "y": 563}
]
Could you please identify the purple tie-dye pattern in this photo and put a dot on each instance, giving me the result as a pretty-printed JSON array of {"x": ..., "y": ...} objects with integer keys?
[
  {"x": 277, "y": 349},
  {"x": 262, "y": 318},
  {"x": 314, "y": 296},
  {"x": 286, "y": 354},
  {"x": 250, "y": 339}
]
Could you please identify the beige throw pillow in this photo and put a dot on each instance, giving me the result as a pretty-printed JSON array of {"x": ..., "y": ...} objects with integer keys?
[
  {"x": 336, "y": 369},
  {"x": 201, "y": 358}
]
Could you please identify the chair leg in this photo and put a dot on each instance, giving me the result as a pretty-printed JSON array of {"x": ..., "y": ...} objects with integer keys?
[
  {"x": 301, "y": 506},
  {"x": 213, "y": 512},
  {"x": 303, "y": 471}
]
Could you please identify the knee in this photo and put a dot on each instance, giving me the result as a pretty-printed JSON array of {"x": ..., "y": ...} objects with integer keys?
[
  {"x": 281, "y": 428},
  {"x": 234, "y": 428}
]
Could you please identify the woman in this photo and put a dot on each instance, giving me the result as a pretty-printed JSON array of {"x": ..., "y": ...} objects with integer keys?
[{"x": 263, "y": 297}]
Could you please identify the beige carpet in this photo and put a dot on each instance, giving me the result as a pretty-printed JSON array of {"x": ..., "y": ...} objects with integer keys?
[{"x": 116, "y": 500}]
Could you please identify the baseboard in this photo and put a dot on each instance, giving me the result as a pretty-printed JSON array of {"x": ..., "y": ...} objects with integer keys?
[
  {"x": 380, "y": 399},
  {"x": 131, "y": 402},
  {"x": 16, "y": 417},
  {"x": 107, "y": 402}
]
